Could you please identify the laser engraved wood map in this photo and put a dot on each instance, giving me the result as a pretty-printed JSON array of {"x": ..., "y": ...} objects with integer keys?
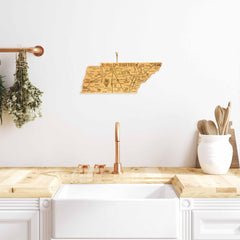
[{"x": 117, "y": 77}]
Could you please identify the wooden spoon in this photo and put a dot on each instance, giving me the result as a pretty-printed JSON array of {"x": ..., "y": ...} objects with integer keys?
[
  {"x": 219, "y": 116},
  {"x": 201, "y": 126},
  {"x": 210, "y": 128}
]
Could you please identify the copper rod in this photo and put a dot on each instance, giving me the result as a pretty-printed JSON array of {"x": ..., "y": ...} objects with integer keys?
[
  {"x": 117, "y": 168},
  {"x": 37, "y": 50}
]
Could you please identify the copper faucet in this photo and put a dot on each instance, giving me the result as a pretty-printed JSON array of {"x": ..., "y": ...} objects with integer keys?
[{"x": 117, "y": 165}]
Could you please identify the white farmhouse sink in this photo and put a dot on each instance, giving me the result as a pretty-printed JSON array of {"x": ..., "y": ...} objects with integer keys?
[{"x": 115, "y": 211}]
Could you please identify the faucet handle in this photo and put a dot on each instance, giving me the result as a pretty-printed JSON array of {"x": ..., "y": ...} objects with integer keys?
[
  {"x": 99, "y": 167},
  {"x": 83, "y": 167}
]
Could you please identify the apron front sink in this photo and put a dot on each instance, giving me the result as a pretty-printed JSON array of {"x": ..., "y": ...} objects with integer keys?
[{"x": 115, "y": 211}]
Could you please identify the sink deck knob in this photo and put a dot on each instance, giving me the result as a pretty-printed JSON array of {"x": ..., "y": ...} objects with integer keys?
[
  {"x": 99, "y": 167},
  {"x": 83, "y": 167}
]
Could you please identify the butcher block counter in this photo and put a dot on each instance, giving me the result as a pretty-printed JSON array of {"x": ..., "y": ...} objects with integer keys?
[{"x": 188, "y": 182}]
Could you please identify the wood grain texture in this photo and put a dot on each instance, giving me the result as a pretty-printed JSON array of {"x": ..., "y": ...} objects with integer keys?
[
  {"x": 188, "y": 182},
  {"x": 210, "y": 186}
]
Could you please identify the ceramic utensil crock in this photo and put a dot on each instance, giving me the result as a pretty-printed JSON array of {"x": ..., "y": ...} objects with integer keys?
[{"x": 215, "y": 153}]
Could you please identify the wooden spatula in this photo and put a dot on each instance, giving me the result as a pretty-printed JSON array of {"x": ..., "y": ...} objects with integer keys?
[
  {"x": 219, "y": 116},
  {"x": 226, "y": 119}
]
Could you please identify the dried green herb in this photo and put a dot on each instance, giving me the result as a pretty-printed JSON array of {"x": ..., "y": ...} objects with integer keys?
[
  {"x": 22, "y": 100},
  {"x": 2, "y": 95}
]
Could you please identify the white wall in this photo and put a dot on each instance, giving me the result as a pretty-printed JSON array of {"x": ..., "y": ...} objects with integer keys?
[{"x": 198, "y": 43}]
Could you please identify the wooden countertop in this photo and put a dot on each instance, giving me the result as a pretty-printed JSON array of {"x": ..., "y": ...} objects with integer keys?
[{"x": 188, "y": 182}]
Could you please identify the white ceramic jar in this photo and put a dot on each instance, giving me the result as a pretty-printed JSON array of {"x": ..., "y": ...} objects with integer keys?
[{"x": 215, "y": 153}]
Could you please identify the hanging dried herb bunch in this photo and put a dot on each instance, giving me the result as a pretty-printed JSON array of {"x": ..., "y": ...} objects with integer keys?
[
  {"x": 22, "y": 100},
  {"x": 2, "y": 95}
]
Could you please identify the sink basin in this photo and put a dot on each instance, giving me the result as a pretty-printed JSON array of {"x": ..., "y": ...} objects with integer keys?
[{"x": 115, "y": 211}]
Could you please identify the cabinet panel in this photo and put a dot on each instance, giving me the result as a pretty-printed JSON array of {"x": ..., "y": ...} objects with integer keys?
[
  {"x": 216, "y": 224},
  {"x": 106, "y": 219},
  {"x": 19, "y": 225},
  {"x": 114, "y": 239}
]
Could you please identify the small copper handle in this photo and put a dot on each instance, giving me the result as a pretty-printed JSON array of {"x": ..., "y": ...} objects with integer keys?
[
  {"x": 83, "y": 167},
  {"x": 99, "y": 167}
]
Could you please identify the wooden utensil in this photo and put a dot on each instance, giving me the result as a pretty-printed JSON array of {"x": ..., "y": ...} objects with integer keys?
[
  {"x": 210, "y": 128},
  {"x": 201, "y": 126},
  {"x": 226, "y": 119},
  {"x": 207, "y": 127},
  {"x": 219, "y": 116},
  {"x": 232, "y": 140}
]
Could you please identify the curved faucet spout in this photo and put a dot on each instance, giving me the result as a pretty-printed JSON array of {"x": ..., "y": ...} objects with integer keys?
[
  {"x": 117, "y": 132},
  {"x": 117, "y": 164}
]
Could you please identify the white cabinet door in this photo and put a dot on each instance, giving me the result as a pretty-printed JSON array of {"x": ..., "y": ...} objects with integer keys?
[
  {"x": 19, "y": 225},
  {"x": 216, "y": 224}
]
